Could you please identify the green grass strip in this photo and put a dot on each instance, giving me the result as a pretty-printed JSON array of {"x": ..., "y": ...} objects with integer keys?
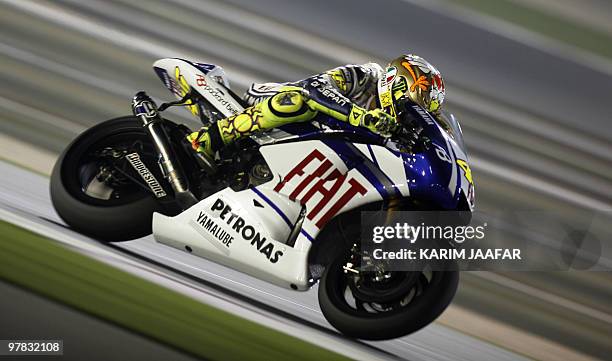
[
  {"x": 539, "y": 21},
  {"x": 47, "y": 268}
]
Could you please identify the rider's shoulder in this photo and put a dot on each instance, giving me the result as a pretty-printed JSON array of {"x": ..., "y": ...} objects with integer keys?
[
  {"x": 369, "y": 70},
  {"x": 371, "y": 67}
]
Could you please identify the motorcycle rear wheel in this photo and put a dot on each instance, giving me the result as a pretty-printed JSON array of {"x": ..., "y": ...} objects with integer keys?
[{"x": 127, "y": 213}]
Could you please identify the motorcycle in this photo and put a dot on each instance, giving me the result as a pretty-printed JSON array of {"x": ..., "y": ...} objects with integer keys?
[{"x": 282, "y": 205}]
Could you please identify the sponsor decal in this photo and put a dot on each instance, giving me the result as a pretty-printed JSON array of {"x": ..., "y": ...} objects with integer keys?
[
  {"x": 246, "y": 231},
  {"x": 200, "y": 80},
  {"x": 217, "y": 94},
  {"x": 264, "y": 88},
  {"x": 385, "y": 100},
  {"x": 146, "y": 175},
  {"x": 391, "y": 73},
  {"x": 325, "y": 181},
  {"x": 442, "y": 154},
  {"x": 384, "y": 95},
  {"x": 207, "y": 226},
  {"x": 467, "y": 171},
  {"x": 329, "y": 93},
  {"x": 355, "y": 114},
  {"x": 287, "y": 98},
  {"x": 426, "y": 116}
]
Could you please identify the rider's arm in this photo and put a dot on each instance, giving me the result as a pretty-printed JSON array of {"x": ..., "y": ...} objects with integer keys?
[{"x": 330, "y": 92}]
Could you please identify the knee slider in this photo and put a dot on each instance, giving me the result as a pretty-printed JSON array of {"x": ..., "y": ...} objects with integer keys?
[{"x": 287, "y": 103}]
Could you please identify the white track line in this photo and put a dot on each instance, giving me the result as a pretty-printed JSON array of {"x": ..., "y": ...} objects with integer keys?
[
  {"x": 97, "y": 30},
  {"x": 278, "y": 31},
  {"x": 64, "y": 70},
  {"x": 509, "y": 117},
  {"x": 41, "y": 116},
  {"x": 591, "y": 14},
  {"x": 545, "y": 296},
  {"x": 529, "y": 181}
]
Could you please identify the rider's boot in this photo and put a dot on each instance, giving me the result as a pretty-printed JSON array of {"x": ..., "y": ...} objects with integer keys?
[
  {"x": 200, "y": 141},
  {"x": 201, "y": 144}
]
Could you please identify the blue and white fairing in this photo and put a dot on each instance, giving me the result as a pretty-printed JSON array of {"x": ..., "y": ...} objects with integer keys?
[{"x": 440, "y": 176}]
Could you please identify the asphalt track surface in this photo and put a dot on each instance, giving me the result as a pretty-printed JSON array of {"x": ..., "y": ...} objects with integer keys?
[
  {"x": 27, "y": 201},
  {"x": 536, "y": 140}
]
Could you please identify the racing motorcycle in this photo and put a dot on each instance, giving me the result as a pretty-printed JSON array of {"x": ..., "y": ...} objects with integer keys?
[{"x": 283, "y": 205}]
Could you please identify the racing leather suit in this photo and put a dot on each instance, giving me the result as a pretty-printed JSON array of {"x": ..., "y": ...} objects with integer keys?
[{"x": 347, "y": 93}]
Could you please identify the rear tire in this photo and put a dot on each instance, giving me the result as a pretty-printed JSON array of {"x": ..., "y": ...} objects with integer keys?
[{"x": 108, "y": 223}]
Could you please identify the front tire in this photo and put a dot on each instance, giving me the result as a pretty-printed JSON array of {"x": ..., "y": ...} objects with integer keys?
[
  {"x": 106, "y": 220},
  {"x": 432, "y": 293}
]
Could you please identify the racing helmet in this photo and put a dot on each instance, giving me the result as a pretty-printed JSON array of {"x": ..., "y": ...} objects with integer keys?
[{"x": 413, "y": 77}]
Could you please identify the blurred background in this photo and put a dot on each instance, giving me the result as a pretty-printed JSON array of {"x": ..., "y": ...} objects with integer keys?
[{"x": 529, "y": 80}]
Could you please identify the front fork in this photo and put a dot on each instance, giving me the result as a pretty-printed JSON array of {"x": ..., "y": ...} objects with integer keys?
[{"x": 145, "y": 108}]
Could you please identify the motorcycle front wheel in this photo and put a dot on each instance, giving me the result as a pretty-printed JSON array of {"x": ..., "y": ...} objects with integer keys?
[
  {"x": 93, "y": 195},
  {"x": 381, "y": 306}
]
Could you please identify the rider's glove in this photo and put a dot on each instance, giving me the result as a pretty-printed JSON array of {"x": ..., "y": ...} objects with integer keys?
[{"x": 375, "y": 120}]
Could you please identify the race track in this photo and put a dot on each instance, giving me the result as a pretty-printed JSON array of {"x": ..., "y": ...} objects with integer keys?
[
  {"x": 535, "y": 142},
  {"x": 27, "y": 202}
]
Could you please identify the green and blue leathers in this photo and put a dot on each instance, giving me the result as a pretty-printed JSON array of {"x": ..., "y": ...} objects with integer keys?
[{"x": 347, "y": 93}]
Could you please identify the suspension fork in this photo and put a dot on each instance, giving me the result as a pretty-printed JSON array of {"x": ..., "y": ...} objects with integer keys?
[{"x": 145, "y": 108}]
